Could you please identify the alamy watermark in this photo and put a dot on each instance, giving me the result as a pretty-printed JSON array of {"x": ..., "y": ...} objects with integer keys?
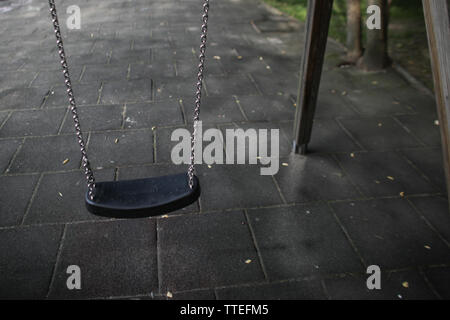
[
  {"x": 73, "y": 282},
  {"x": 373, "y": 282},
  {"x": 73, "y": 21},
  {"x": 241, "y": 146},
  {"x": 374, "y": 20}
]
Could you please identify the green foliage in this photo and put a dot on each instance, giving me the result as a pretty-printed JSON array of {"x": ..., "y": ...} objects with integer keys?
[
  {"x": 407, "y": 34},
  {"x": 400, "y": 10}
]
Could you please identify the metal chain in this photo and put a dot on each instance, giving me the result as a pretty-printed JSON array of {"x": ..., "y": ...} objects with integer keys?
[
  {"x": 198, "y": 94},
  {"x": 85, "y": 162},
  {"x": 73, "y": 108}
]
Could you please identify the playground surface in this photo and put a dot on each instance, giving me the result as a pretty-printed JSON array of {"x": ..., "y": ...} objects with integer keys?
[{"x": 371, "y": 191}]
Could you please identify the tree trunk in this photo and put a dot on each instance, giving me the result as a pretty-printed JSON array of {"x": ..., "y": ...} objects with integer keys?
[
  {"x": 376, "y": 52},
  {"x": 354, "y": 48}
]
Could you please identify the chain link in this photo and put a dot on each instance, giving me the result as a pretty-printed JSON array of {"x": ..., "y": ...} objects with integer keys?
[
  {"x": 73, "y": 108},
  {"x": 198, "y": 93}
]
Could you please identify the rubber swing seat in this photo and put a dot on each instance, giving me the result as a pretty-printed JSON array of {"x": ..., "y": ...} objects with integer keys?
[{"x": 142, "y": 198}]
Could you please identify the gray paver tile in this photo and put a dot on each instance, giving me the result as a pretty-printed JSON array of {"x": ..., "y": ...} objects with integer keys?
[
  {"x": 147, "y": 115},
  {"x": 379, "y": 133},
  {"x": 384, "y": 174},
  {"x": 107, "y": 73},
  {"x": 33, "y": 123},
  {"x": 8, "y": 148},
  {"x": 60, "y": 197},
  {"x": 430, "y": 162},
  {"x": 96, "y": 118},
  {"x": 174, "y": 88},
  {"x": 3, "y": 116},
  {"x": 312, "y": 178},
  {"x": 435, "y": 210},
  {"x": 386, "y": 79},
  {"x": 142, "y": 56},
  {"x": 267, "y": 108},
  {"x": 22, "y": 98},
  {"x": 327, "y": 136},
  {"x": 132, "y": 147},
  {"x": 55, "y": 77},
  {"x": 423, "y": 127},
  {"x": 155, "y": 70},
  {"x": 124, "y": 262},
  {"x": 214, "y": 110},
  {"x": 234, "y": 84},
  {"x": 84, "y": 94},
  {"x": 275, "y": 85},
  {"x": 236, "y": 186},
  {"x": 209, "y": 254},
  {"x": 422, "y": 103},
  {"x": 440, "y": 280},
  {"x": 390, "y": 234},
  {"x": 116, "y": 92},
  {"x": 16, "y": 79},
  {"x": 376, "y": 102},
  {"x": 392, "y": 287},
  {"x": 47, "y": 154},
  {"x": 332, "y": 105},
  {"x": 14, "y": 204},
  {"x": 300, "y": 241},
  {"x": 292, "y": 290},
  {"x": 27, "y": 257}
]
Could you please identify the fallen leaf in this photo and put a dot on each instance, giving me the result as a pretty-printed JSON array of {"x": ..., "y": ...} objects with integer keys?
[
  {"x": 267, "y": 67},
  {"x": 216, "y": 57},
  {"x": 248, "y": 261},
  {"x": 390, "y": 178},
  {"x": 427, "y": 247},
  {"x": 436, "y": 122},
  {"x": 405, "y": 284},
  {"x": 352, "y": 155},
  {"x": 116, "y": 141},
  {"x": 402, "y": 194},
  {"x": 261, "y": 58},
  {"x": 65, "y": 161},
  {"x": 165, "y": 216},
  {"x": 169, "y": 294},
  {"x": 344, "y": 93},
  {"x": 60, "y": 194},
  {"x": 284, "y": 164},
  {"x": 380, "y": 124},
  {"x": 239, "y": 57}
]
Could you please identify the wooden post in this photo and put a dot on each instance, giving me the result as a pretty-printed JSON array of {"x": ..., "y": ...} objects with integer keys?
[
  {"x": 317, "y": 24},
  {"x": 437, "y": 16}
]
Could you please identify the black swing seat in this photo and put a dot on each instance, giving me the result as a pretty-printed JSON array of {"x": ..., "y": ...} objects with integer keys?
[{"x": 143, "y": 197}]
